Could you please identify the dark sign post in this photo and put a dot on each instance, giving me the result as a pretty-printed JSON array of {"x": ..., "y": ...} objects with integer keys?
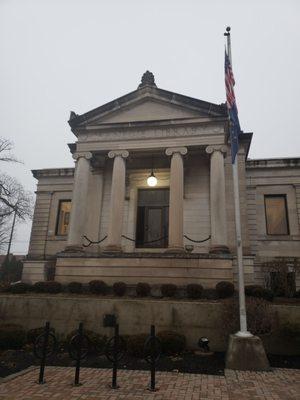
[
  {"x": 152, "y": 353},
  {"x": 44, "y": 346},
  {"x": 79, "y": 347},
  {"x": 115, "y": 351}
]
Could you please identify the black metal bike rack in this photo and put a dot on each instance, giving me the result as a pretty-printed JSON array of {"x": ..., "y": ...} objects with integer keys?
[
  {"x": 79, "y": 347},
  {"x": 115, "y": 350},
  {"x": 152, "y": 353},
  {"x": 45, "y": 345}
]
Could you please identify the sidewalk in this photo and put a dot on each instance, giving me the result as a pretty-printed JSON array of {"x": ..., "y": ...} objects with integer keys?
[{"x": 279, "y": 384}]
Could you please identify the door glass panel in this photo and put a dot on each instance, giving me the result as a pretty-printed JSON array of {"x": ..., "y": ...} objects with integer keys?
[{"x": 154, "y": 228}]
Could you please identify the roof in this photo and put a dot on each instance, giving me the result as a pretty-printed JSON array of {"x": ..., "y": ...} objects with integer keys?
[{"x": 148, "y": 88}]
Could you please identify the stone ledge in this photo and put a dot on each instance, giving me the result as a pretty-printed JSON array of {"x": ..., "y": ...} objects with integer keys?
[{"x": 146, "y": 255}]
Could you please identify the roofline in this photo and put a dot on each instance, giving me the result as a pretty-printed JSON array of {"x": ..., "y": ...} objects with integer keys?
[
  {"x": 52, "y": 172},
  {"x": 76, "y": 119},
  {"x": 278, "y": 162}
]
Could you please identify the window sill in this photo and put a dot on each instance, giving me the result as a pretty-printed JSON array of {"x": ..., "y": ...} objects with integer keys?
[
  {"x": 58, "y": 238},
  {"x": 279, "y": 238}
]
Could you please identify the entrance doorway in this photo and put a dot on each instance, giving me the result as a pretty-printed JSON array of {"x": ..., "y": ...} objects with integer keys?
[{"x": 152, "y": 218}]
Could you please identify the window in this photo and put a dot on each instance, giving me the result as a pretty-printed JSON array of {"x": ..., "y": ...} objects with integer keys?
[
  {"x": 63, "y": 217},
  {"x": 276, "y": 215}
]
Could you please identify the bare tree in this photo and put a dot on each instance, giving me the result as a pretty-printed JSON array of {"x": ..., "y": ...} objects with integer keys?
[{"x": 13, "y": 197}]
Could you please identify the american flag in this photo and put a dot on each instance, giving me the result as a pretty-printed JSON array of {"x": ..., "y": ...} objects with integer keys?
[{"x": 232, "y": 109}]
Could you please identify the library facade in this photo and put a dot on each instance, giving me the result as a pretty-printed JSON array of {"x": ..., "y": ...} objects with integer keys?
[{"x": 151, "y": 198}]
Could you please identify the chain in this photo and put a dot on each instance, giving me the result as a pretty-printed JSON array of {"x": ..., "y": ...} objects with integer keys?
[
  {"x": 197, "y": 241},
  {"x": 91, "y": 242}
]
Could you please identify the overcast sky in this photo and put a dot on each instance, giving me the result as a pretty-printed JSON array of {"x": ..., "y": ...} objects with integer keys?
[{"x": 62, "y": 55}]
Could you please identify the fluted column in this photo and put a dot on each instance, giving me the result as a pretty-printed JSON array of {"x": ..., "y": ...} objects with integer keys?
[
  {"x": 79, "y": 201},
  {"x": 114, "y": 234},
  {"x": 176, "y": 199},
  {"x": 217, "y": 199}
]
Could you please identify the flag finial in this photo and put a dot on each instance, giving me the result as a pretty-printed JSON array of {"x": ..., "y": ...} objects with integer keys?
[{"x": 227, "y": 33}]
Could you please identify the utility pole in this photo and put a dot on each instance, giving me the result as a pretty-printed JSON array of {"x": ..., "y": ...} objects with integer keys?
[{"x": 11, "y": 234}]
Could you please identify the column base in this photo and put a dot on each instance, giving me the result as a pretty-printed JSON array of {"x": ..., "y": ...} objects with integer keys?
[
  {"x": 219, "y": 249},
  {"x": 74, "y": 249},
  {"x": 175, "y": 249},
  {"x": 246, "y": 353},
  {"x": 112, "y": 248}
]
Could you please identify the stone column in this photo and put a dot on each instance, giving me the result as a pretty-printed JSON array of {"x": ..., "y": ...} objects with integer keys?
[
  {"x": 176, "y": 199},
  {"x": 79, "y": 201},
  {"x": 114, "y": 234},
  {"x": 217, "y": 199}
]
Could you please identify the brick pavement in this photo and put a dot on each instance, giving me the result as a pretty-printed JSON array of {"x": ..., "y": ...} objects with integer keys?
[{"x": 277, "y": 384}]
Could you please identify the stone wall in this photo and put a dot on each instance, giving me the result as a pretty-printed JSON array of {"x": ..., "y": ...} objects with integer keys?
[
  {"x": 191, "y": 318},
  {"x": 146, "y": 268}
]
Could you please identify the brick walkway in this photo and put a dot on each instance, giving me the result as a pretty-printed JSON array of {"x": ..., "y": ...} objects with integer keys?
[{"x": 278, "y": 384}]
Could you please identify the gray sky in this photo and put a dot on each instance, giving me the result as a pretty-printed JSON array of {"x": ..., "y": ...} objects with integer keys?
[{"x": 64, "y": 55}]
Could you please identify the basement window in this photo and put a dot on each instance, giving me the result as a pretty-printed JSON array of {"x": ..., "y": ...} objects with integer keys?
[
  {"x": 276, "y": 215},
  {"x": 63, "y": 217}
]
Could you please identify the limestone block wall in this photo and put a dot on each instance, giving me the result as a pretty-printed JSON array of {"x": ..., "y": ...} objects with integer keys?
[
  {"x": 39, "y": 230},
  {"x": 274, "y": 176},
  {"x": 53, "y": 185},
  {"x": 230, "y": 213},
  {"x": 191, "y": 318},
  {"x": 196, "y": 211},
  {"x": 154, "y": 269}
]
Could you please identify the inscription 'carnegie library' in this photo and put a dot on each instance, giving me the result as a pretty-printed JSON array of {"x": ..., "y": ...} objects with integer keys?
[{"x": 146, "y": 133}]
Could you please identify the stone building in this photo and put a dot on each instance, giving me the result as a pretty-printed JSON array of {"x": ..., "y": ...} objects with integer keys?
[{"x": 104, "y": 219}]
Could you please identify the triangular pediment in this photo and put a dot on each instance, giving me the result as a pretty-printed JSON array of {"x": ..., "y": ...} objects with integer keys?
[
  {"x": 148, "y": 109},
  {"x": 147, "y": 104}
]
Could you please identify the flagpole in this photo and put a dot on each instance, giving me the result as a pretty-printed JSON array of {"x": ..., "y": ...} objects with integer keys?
[{"x": 242, "y": 304}]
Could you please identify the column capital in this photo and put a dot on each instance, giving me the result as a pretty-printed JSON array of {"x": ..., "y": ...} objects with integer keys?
[
  {"x": 84, "y": 154},
  {"x": 115, "y": 153},
  {"x": 211, "y": 149},
  {"x": 172, "y": 150}
]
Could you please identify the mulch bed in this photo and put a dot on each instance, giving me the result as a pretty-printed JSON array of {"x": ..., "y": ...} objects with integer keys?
[{"x": 12, "y": 361}]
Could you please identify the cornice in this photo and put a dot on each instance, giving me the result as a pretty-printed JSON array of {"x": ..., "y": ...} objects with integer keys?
[
  {"x": 273, "y": 163},
  {"x": 52, "y": 172}
]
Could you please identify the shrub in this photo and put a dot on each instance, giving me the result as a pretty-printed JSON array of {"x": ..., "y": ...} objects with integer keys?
[
  {"x": 4, "y": 287},
  {"x": 143, "y": 289},
  {"x": 290, "y": 331},
  {"x": 209, "y": 294},
  {"x": 97, "y": 287},
  {"x": 39, "y": 287},
  {"x": 12, "y": 337},
  {"x": 168, "y": 290},
  {"x": 50, "y": 272},
  {"x": 135, "y": 344},
  {"x": 11, "y": 269},
  {"x": 119, "y": 288},
  {"x": 172, "y": 342},
  {"x": 280, "y": 275},
  {"x": 32, "y": 334},
  {"x": 194, "y": 291},
  {"x": 97, "y": 340},
  {"x": 259, "y": 292},
  {"x": 224, "y": 289},
  {"x": 19, "y": 287},
  {"x": 75, "y": 287},
  {"x": 261, "y": 318},
  {"x": 53, "y": 287},
  {"x": 47, "y": 287}
]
